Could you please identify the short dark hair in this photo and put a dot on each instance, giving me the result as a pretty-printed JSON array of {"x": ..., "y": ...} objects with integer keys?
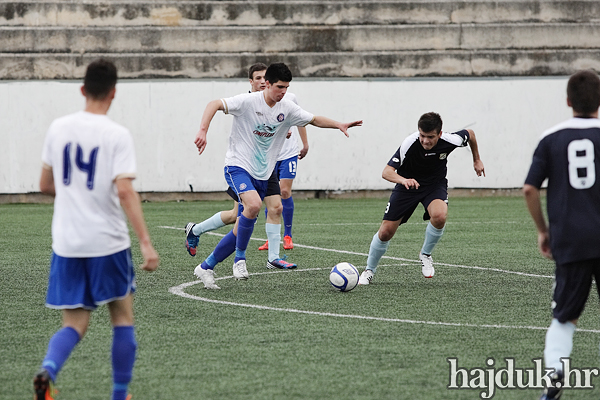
[
  {"x": 278, "y": 72},
  {"x": 583, "y": 91},
  {"x": 430, "y": 122},
  {"x": 100, "y": 78},
  {"x": 254, "y": 68}
]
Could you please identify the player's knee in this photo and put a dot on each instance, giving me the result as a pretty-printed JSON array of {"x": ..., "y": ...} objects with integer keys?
[
  {"x": 286, "y": 193},
  {"x": 275, "y": 209},
  {"x": 252, "y": 208},
  {"x": 438, "y": 219},
  {"x": 386, "y": 235}
]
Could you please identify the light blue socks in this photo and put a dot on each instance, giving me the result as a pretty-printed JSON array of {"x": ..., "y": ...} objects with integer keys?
[
  {"x": 432, "y": 237},
  {"x": 559, "y": 344},
  {"x": 376, "y": 251},
  {"x": 208, "y": 225},
  {"x": 274, "y": 237}
]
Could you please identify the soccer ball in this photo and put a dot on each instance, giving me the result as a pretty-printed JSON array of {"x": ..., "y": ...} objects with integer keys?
[{"x": 344, "y": 277}]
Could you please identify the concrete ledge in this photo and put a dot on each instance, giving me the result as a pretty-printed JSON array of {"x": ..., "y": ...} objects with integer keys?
[
  {"x": 299, "y": 39},
  {"x": 327, "y": 65},
  {"x": 38, "y": 198},
  {"x": 286, "y": 12}
]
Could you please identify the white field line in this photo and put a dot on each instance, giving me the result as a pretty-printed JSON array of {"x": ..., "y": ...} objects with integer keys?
[
  {"x": 390, "y": 257},
  {"x": 180, "y": 291}
]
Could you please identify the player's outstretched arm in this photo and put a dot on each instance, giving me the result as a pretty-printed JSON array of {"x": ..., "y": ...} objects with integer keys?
[
  {"x": 324, "y": 122},
  {"x": 477, "y": 163},
  {"x": 389, "y": 174},
  {"x": 130, "y": 201},
  {"x": 209, "y": 112},
  {"x": 304, "y": 139},
  {"x": 534, "y": 205}
]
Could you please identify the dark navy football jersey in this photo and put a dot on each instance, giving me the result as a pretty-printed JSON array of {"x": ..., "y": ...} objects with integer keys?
[
  {"x": 568, "y": 155},
  {"x": 427, "y": 167}
]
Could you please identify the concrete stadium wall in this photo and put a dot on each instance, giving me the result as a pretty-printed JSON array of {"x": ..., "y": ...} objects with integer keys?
[{"x": 507, "y": 115}]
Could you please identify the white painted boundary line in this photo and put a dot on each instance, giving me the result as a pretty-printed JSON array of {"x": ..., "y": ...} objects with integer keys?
[{"x": 180, "y": 291}]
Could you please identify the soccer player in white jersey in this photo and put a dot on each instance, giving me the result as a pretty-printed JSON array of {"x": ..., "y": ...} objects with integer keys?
[
  {"x": 285, "y": 169},
  {"x": 418, "y": 168},
  {"x": 568, "y": 155},
  {"x": 273, "y": 198},
  {"x": 88, "y": 166},
  {"x": 260, "y": 125}
]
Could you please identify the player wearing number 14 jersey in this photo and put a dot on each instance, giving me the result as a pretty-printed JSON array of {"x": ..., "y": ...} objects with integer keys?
[
  {"x": 568, "y": 155},
  {"x": 88, "y": 165}
]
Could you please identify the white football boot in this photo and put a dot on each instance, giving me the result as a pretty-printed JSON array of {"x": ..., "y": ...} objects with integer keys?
[
  {"x": 365, "y": 277},
  {"x": 207, "y": 276},
  {"x": 426, "y": 265},
  {"x": 239, "y": 270}
]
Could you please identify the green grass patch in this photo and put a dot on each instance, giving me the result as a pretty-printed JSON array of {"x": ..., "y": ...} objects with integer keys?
[{"x": 194, "y": 349}]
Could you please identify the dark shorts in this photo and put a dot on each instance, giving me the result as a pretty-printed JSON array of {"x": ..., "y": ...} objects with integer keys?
[
  {"x": 89, "y": 282},
  {"x": 403, "y": 202},
  {"x": 573, "y": 282},
  {"x": 272, "y": 188}
]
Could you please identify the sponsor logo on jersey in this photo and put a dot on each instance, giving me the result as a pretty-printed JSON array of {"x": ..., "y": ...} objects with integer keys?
[
  {"x": 443, "y": 156},
  {"x": 395, "y": 159},
  {"x": 259, "y": 113},
  {"x": 264, "y": 130},
  {"x": 429, "y": 154},
  {"x": 280, "y": 117},
  {"x": 263, "y": 134}
]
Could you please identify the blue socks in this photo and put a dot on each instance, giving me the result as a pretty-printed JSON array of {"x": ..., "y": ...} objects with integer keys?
[
  {"x": 123, "y": 355},
  {"x": 559, "y": 343},
  {"x": 123, "y": 358},
  {"x": 274, "y": 238},
  {"x": 288, "y": 215},
  {"x": 432, "y": 237},
  {"x": 245, "y": 228},
  {"x": 224, "y": 249},
  {"x": 59, "y": 349},
  {"x": 376, "y": 251}
]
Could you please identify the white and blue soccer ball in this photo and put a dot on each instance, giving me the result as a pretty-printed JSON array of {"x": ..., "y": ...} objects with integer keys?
[{"x": 344, "y": 277}]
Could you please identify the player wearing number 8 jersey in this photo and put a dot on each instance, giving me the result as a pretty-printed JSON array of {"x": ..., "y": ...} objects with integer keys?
[{"x": 568, "y": 155}]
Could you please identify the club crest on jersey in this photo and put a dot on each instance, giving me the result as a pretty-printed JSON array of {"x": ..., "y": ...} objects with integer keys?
[
  {"x": 243, "y": 186},
  {"x": 280, "y": 117},
  {"x": 443, "y": 156}
]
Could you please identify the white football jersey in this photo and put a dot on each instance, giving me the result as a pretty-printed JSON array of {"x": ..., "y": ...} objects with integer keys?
[
  {"x": 87, "y": 152},
  {"x": 290, "y": 145},
  {"x": 258, "y": 131}
]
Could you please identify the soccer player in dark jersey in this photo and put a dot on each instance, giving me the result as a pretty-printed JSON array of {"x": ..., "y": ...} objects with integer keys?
[
  {"x": 418, "y": 168},
  {"x": 566, "y": 156}
]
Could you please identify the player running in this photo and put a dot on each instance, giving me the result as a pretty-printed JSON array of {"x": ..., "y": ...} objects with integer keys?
[
  {"x": 418, "y": 168},
  {"x": 260, "y": 125}
]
